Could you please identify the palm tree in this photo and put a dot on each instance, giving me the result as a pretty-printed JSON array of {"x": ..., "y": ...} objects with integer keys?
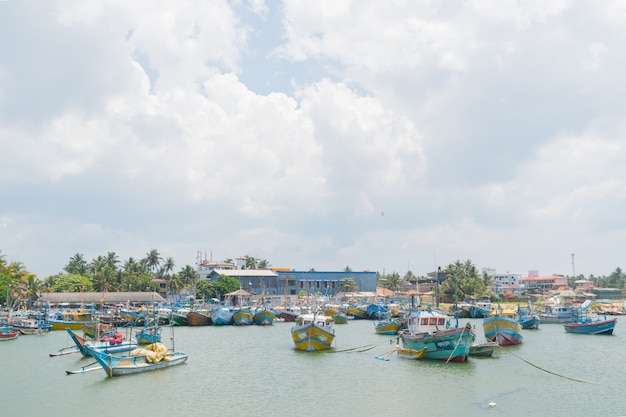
[
  {"x": 77, "y": 265},
  {"x": 152, "y": 260}
]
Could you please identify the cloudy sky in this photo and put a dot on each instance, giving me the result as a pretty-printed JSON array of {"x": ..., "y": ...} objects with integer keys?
[{"x": 380, "y": 135}]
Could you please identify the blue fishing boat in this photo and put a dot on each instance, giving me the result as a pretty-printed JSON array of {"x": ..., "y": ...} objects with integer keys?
[
  {"x": 153, "y": 357},
  {"x": 377, "y": 311},
  {"x": 430, "y": 330},
  {"x": 221, "y": 316},
  {"x": 148, "y": 335},
  {"x": 584, "y": 323}
]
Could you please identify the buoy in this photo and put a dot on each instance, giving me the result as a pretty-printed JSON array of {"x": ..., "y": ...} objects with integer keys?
[{"x": 492, "y": 405}]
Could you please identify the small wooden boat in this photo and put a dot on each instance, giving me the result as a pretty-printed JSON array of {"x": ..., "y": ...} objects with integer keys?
[
  {"x": 37, "y": 331},
  {"x": 153, "y": 357},
  {"x": 340, "y": 318},
  {"x": 313, "y": 332},
  {"x": 114, "y": 344},
  {"x": 529, "y": 322},
  {"x": 483, "y": 349},
  {"x": 407, "y": 353},
  {"x": 8, "y": 332},
  {"x": 358, "y": 313}
]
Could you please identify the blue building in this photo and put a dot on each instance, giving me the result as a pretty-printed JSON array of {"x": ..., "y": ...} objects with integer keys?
[{"x": 286, "y": 282}]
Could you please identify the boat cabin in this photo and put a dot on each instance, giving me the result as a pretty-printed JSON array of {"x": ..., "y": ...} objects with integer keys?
[{"x": 427, "y": 322}]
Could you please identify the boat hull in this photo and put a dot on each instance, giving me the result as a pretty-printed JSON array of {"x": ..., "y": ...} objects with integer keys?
[
  {"x": 605, "y": 327},
  {"x": 530, "y": 323},
  {"x": 387, "y": 327},
  {"x": 195, "y": 318},
  {"x": 310, "y": 337},
  {"x": 132, "y": 364},
  {"x": 263, "y": 318},
  {"x": 8, "y": 333},
  {"x": 452, "y": 345},
  {"x": 65, "y": 324},
  {"x": 503, "y": 330},
  {"x": 242, "y": 317}
]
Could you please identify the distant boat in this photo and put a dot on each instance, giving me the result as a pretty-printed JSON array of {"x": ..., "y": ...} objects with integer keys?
[
  {"x": 313, "y": 332},
  {"x": 199, "y": 318},
  {"x": 358, "y": 313},
  {"x": 560, "y": 313},
  {"x": 242, "y": 316},
  {"x": 221, "y": 316},
  {"x": 503, "y": 328},
  {"x": 590, "y": 324},
  {"x": 8, "y": 332},
  {"x": 148, "y": 335},
  {"x": 430, "y": 330},
  {"x": 387, "y": 326},
  {"x": 263, "y": 317},
  {"x": 153, "y": 357}
]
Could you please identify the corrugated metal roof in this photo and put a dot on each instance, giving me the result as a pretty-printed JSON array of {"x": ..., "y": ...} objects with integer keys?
[{"x": 101, "y": 297}]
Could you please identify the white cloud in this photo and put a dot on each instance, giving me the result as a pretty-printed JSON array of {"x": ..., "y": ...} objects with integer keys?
[{"x": 390, "y": 134}]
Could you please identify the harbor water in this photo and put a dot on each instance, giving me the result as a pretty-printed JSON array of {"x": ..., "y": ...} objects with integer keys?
[{"x": 255, "y": 371}]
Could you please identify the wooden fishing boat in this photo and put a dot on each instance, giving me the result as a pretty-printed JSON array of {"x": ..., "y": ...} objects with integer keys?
[
  {"x": 503, "y": 328},
  {"x": 8, "y": 332},
  {"x": 483, "y": 349},
  {"x": 34, "y": 331},
  {"x": 592, "y": 326},
  {"x": 431, "y": 330},
  {"x": 263, "y": 317},
  {"x": 70, "y": 319},
  {"x": 221, "y": 316},
  {"x": 153, "y": 357},
  {"x": 340, "y": 318},
  {"x": 199, "y": 318},
  {"x": 96, "y": 330},
  {"x": 407, "y": 353},
  {"x": 114, "y": 344},
  {"x": 529, "y": 322},
  {"x": 313, "y": 332},
  {"x": 242, "y": 316},
  {"x": 358, "y": 313}
]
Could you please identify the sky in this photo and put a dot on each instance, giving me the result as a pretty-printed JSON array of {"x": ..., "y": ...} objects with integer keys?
[{"x": 382, "y": 136}]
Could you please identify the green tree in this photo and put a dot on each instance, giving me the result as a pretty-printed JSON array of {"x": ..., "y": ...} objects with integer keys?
[
  {"x": 72, "y": 283},
  {"x": 153, "y": 260},
  {"x": 224, "y": 284}
]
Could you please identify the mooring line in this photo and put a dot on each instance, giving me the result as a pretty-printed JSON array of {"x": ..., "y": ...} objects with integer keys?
[{"x": 550, "y": 372}]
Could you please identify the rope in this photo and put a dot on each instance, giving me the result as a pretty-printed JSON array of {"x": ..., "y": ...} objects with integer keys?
[
  {"x": 550, "y": 372},
  {"x": 456, "y": 345}
]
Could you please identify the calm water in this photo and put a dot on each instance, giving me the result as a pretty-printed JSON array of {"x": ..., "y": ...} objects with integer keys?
[{"x": 254, "y": 371}]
